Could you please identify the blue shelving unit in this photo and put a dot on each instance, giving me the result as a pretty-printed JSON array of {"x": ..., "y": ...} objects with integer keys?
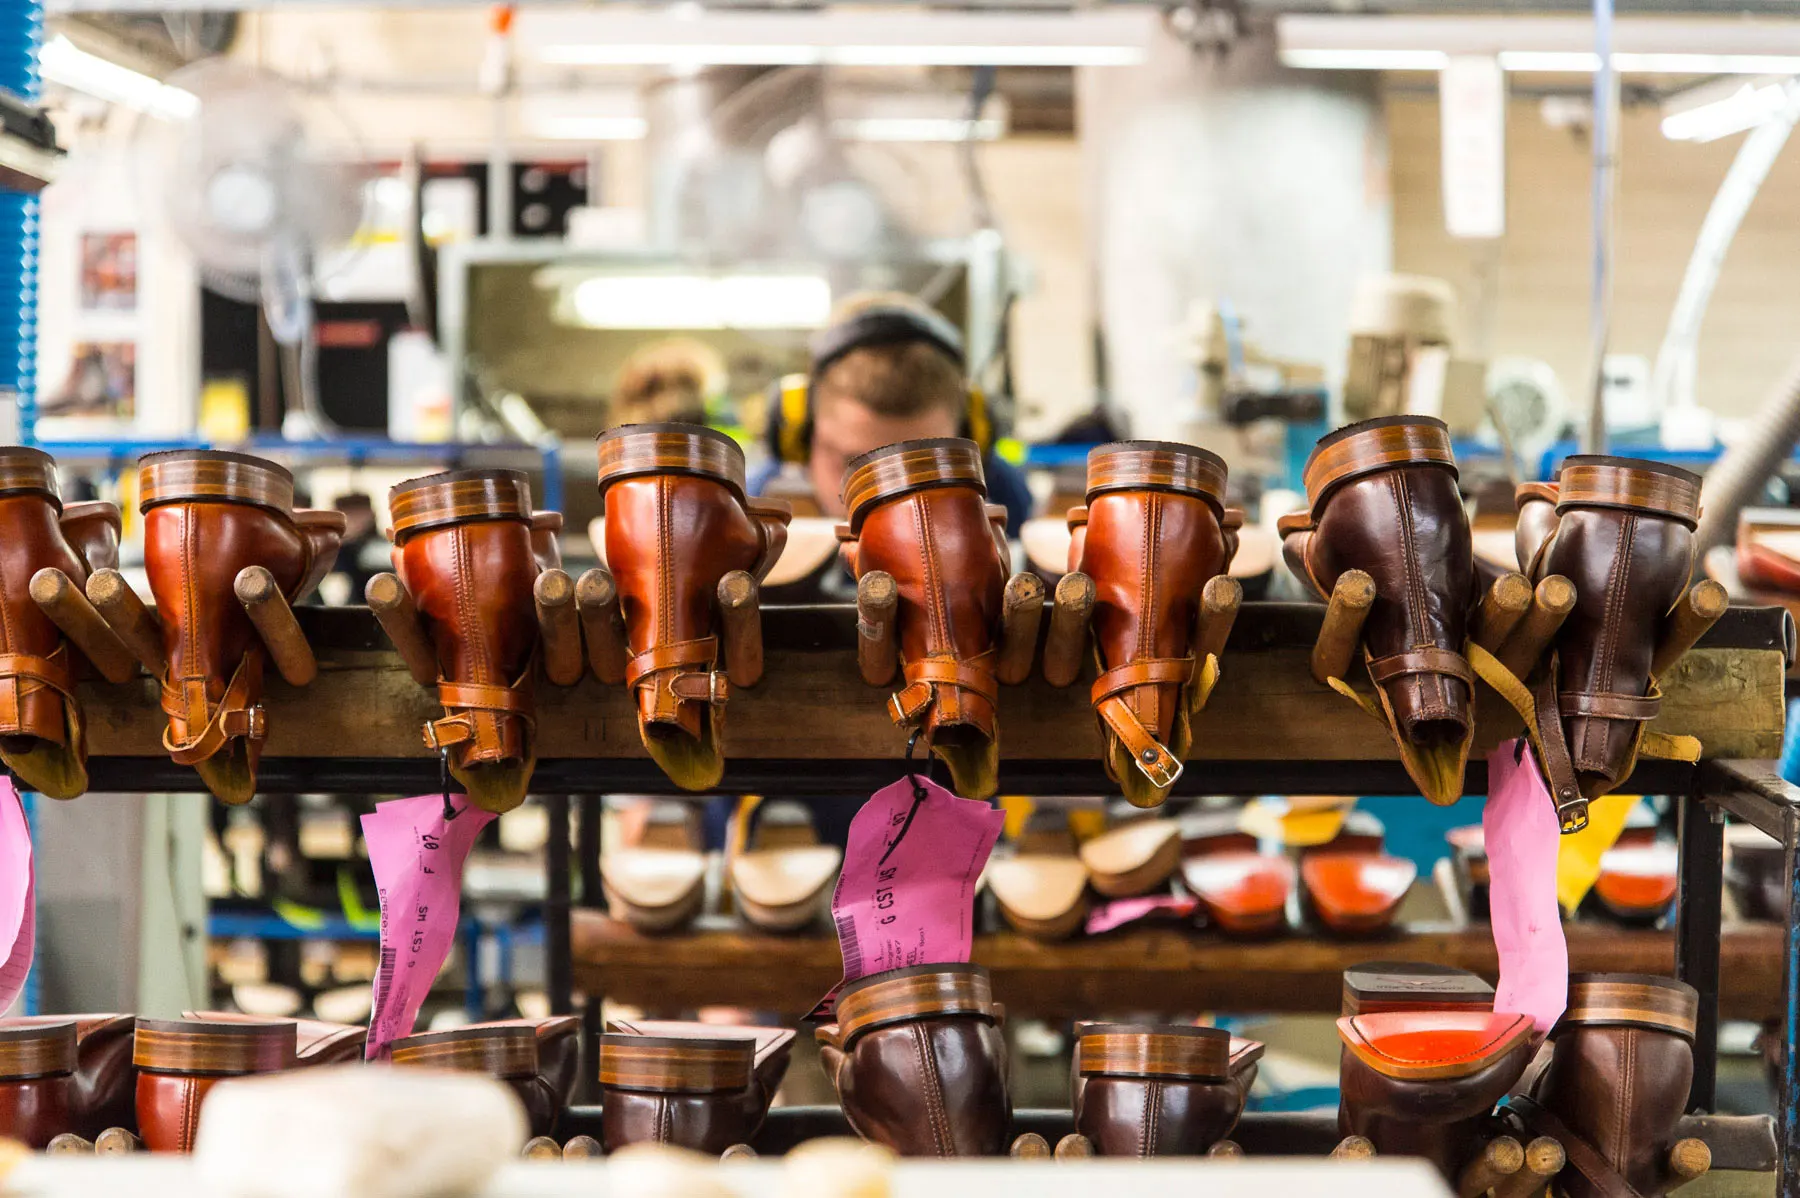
[{"x": 21, "y": 31}]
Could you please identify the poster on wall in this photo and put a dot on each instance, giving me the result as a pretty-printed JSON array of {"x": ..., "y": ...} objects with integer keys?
[
  {"x": 101, "y": 382},
  {"x": 109, "y": 272}
]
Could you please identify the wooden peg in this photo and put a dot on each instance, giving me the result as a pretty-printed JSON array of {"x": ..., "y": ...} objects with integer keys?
[
  {"x": 740, "y": 612},
  {"x": 541, "y": 1148},
  {"x": 1544, "y": 1159},
  {"x": 1501, "y": 1158},
  {"x": 116, "y": 1141},
  {"x": 1504, "y": 605},
  {"x": 736, "y": 1153},
  {"x": 553, "y": 595},
  {"x": 393, "y": 607},
  {"x": 1074, "y": 1147},
  {"x": 136, "y": 624},
  {"x": 603, "y": 625},
  {"x": 1354, "y": 1148},
  {"x": 68, "y": 1144},
  {"x": 62, "y": 601},
  {"x": 1226, "y": 1150},
  {"x": 1698, "y": 610},
  {"x": 1341, "y": 633},
  {"x": 1021, "y": 612},
  {"x": 1030, "y": 1147},
  {"x": 1688, "y": 1159},
  {"x": 1070, "y": 611},
  {"x": 580, "y": 1148},
  {"x": 877, "y": 608},
  {"x": 1220, "y": 600},
  {"x": 1551, "y": 604},
  {"x": 268, "y": 609}
]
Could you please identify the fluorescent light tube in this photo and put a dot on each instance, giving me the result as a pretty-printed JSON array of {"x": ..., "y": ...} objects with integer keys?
[
  {"x": 61, "y": 61},
  {"x": 698, "y": 302}
]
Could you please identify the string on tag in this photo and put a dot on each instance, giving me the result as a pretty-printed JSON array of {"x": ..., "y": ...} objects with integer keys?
[
  {"x": 450, "y": 812},
  {"x": 919, "y": 793}
]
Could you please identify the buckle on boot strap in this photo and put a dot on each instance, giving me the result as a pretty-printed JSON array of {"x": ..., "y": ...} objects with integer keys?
[
  {"x": 236, "y": 716},
  {"x": 924, "y": 677},
  {"x": 1152, "y": 759}
]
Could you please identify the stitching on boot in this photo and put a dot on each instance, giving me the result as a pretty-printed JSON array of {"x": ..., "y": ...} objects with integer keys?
[
  {"x": 1434, "y": 701},
  {"x": 934, "y": 1093},
  {"x": 190, "y": 1114},
  {"x": 1145, "y": 699},
  {"x": 1152, "y": 1112}
]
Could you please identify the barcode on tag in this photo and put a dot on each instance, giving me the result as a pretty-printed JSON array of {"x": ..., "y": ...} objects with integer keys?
[
  {"x": 386, "y": 983},
  {"x": 851, "y": 946}
]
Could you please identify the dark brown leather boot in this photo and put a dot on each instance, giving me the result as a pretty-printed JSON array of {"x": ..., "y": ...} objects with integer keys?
[
  {"x": 699, "y": 1086},
  {"x": 37, "y": 1083},
  {"x": 505, "y": 1052},
  {"x": 467, "y": 552},
  {"x": 1153, "y": 539},
  {"x": 104, "y": 1082},
  {"x": 1621, "y": 1062},
  {"x": 207, "y": 517},
  {"x": 918, "y": 1060},
  {"x": 180, "y": 1061},
  {"x": 1423, "y": 1083},
  {"x": 677, "y": 522},
  {"x": 1384, "y": 501},
  {"x": 1621, "y": 530},
  {"x": 918, "y": 512},
  {"x": 1164, "y": 1090},
  {"x": 43, "y": 738}
]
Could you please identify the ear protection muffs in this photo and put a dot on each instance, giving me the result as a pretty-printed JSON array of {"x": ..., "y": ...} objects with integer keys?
[{"x": 790, "y": 400}]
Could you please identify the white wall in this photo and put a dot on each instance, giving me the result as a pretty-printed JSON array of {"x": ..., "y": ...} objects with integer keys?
[{"x": 1227, "y": 179}]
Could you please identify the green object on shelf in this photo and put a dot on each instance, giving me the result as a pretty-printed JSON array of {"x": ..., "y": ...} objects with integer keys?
[
  {"x": 307, "y": 919},
  {"x": 355, "y": 914}
]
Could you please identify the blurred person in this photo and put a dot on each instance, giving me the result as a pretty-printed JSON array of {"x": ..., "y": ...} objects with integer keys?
[
  {"x": 887, "y": 368},
  {"x": 666, "y": 380}
]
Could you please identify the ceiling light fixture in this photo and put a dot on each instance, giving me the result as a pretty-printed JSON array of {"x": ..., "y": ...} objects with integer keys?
[
  {"x": 1552, "y": 44},
  {"x": 65, "y": 63}
]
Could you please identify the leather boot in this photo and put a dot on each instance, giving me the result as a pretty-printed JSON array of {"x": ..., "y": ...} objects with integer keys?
[
  {"x": 43, "y": 737},
  {"x": 918, "y": 1059},
  {"x": 1384, "y": 501},
  {"x": 468, "y": 549},
  {"x": 1621, "y": 1062},
  {"x": 698, "y": 1086},
  {"x": 37, "y": 1083},
  {"x": 1621, "y": 530},
  {"x": 1153, "y": 539},
  {"x": 1423, "y": 1083},
  {"x": 103, "y": 1095},
  {"x": 505, "y": 1052},
  {"x": 1243, "y": 891},
  {"x": 1156, "y": 1090},
  {"x": 918, "y": 511},
  {"x": 558, "y": 1057},
  {"x": 180, "y": 1061},
  {"x": 207, "y": 516},
  {"x": 316, "y": 1042},
  {"x": 677, "y": 521}
]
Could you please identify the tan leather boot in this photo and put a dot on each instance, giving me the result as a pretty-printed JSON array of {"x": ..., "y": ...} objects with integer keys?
[
  {"x": 678, "y": 522},
  {"x": 43, "y": 737},
  {"x": 918, "y": 512}
]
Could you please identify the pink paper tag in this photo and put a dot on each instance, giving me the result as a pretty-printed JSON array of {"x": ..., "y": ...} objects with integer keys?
[
  {"x": 417, "y": 856},
  {"x": 906, "y": 894},
  {"x": 18, "y": 896},
  {"x": 1519, "y": 827},
  {"x": 1120, "y": 912}
]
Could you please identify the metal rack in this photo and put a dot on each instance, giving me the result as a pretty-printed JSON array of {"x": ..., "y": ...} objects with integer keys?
[{"x": 813, "y": 727}]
